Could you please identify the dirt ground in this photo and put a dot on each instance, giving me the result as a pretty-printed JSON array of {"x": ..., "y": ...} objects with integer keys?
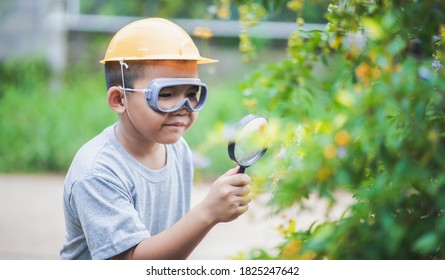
[{"x": 32, "y": 223}]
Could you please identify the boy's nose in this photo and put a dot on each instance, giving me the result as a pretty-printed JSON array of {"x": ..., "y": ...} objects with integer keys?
[{"x": 181, "y": 112}]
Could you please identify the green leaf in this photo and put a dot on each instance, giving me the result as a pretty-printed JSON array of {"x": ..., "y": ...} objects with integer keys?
[{"x": 427, "y": 242}]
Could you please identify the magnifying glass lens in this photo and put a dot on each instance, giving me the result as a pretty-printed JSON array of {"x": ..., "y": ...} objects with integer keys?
[{"x": 248, "y": 146}]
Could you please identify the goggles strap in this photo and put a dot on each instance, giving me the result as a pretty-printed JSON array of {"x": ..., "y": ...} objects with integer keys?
[{"x": 122, "y": 63}]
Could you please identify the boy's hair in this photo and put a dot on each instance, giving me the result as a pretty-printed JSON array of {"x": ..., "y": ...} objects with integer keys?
[
  {"x": 113, "y": 75},
  {"x": 136, "y": 70}
]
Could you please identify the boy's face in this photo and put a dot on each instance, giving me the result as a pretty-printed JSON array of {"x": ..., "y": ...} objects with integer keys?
[{"x": 164, "y": 128}]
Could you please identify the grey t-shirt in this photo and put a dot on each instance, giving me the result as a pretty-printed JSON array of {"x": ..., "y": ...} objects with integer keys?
[{"x": 112, "y": 202}]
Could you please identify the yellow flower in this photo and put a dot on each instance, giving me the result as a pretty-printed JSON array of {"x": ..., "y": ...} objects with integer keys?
[
  {"x": 308, "y": 255},
  {"x": 336, "y": 43},
  {"x": 374, "y": 28},
  {"x": 345, "y": 98},
  {"x": 363, "y": 72},
  {"x": 291, "y": 249},
  {"x": 203, "y": 33},
  {"x": 223, "y": 13},
  {"x": 300, "y": 21},
  {"x": 358, "y": 88},
  {"x": 340, "y": 120},
  {"x": 295, "y": 5},
  {"x": 342, "y": 138},
  {"x": 375, "y": 73},
  {"x": 442, "y": 30},
  {"x": 433, "y": 136},
  {"x": 250, "y": 103},
  {"x": 269, "y": 133},
  {"x": 330, "y": 151},
  {"x": 324, "y": 173},
  {"x": 263, "y": 81}
]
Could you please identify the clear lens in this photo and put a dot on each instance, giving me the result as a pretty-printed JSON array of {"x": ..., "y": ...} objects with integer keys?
[
  {"x": 172, "y": 94},
  {"x": 175, "y": 96}
]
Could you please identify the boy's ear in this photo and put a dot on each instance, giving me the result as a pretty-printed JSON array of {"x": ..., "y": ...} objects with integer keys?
[{"x": 116, "y": 99}]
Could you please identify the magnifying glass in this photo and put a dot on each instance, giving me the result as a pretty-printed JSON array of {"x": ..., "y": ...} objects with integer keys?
[{"x": 247, "y": 148}]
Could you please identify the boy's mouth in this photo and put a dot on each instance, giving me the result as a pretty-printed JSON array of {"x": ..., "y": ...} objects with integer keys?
[{"x": 176, "y": 124}]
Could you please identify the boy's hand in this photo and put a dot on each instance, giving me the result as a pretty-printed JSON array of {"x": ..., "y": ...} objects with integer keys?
[{"x": 228, "y": 198}]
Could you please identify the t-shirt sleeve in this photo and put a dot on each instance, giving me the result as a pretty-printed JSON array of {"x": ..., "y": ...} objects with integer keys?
[{"x": 107, "y": 215}]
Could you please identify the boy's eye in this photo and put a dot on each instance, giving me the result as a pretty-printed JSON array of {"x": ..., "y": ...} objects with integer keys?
[
  {"x": 165, "y": 95},
  {"x": 192, "y": 94}
]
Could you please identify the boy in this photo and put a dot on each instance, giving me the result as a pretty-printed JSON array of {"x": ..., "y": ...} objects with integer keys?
[{"x": 127, "y": 192}]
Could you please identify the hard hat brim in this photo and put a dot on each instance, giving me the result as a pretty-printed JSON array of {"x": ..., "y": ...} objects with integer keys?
[{"x": 201, "y": 60}]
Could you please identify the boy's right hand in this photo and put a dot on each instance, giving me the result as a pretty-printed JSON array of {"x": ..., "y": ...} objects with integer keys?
[{"x": 228, "y": 198}]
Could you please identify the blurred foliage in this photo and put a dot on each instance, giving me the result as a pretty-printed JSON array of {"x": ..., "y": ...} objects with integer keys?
[
  {"x": 360, "y": 108},
  {"x": 199, "y": 9},
  {"x": 144, "y": 8},
  {"x": 42, "y": 125},
  {"x": 251, "y": 13}
]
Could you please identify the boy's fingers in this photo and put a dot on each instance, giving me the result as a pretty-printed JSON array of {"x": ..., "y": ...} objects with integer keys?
[
  {"x": 243, "y": 191},
  {"x": 244, "y": 200},
  {"x": 232, "y": 171},
  {"x": 243, "y": 209},
  {"x": 238, "y": 180}
]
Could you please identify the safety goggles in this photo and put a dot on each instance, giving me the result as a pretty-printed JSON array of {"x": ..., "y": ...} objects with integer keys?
[{"x": 172, "y": 94}]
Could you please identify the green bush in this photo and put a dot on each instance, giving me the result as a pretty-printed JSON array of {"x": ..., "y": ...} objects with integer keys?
[
  {"x": 367, "y": 120},
  {"x": 43, "y": 125}
]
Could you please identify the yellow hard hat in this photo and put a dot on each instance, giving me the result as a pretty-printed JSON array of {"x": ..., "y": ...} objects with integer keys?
[{"x": 153, "y": 39}]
